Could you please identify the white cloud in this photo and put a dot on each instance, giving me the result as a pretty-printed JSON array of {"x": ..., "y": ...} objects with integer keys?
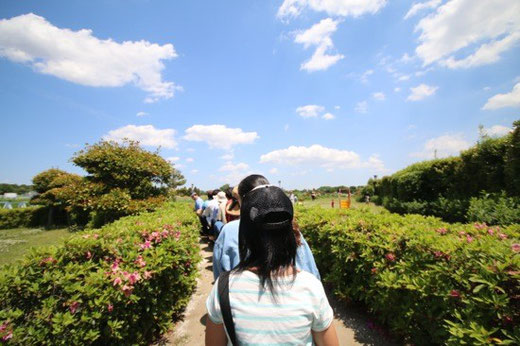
[
  {"x": 286, "y": 127},
  {"x": 219, "y": 136},
  {"x": 328, "y": 116},
  {"x": 324, "y": 157},
  {"x": 80, "y": 57},
  {"x": 397, "y": 90},
  {"x": 405, "y": 59},
  {"x": 511, "y": 99},
  {"x": 365, "y": 75},
  {"x": 337, "y": 107},
  {"x": 442, "y": 146},
  {"x": 173, "y": 159},
  {"x": 227, "y": 157},
  {"x": 402, "y": 78},
  {"x": 421, "y": 91},
  {"x": 231, "y": 167},
  {"x": 235, "y": 172},
  {"x": 486, "y": 88},
  {"x": 319, "y": 36},
  {"x": 194, "y": 171},
  {"x": 361, "y": 107},
  {"x": 379, "y": 96},
  {"x": 417, "y": 7},
  {"x": 344, "y": 8},
  {"x": 141, "y": 114},
  {"x": 147, "y": 135},
  {"x": 482, "y": 29},
  {"x": 497, "y": 130},
  {"x": 273, "y": 170},
  {"x": 190, "y": 159},
  {"x": 310, "y": 111}
]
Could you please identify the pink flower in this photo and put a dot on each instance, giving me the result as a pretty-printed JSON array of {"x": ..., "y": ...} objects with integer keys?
[
  {"x": 177, "y": 234},
  {"x": 479, "y": 225},
  {"x": 140, "y": 262},
  {"x": 110, "y": 307},
  {"x": 390, "y": 257},
  {"x": 133, "y": 278},
  {"x": 502, "y": 236},
  {"x": 469, "y": 238},
  {"x": 73, "y": 307},
  {"x": 119, "y": 240},
  {"x": 145, "y": 245},
  {"x": 373, "y": 271},
  {"x": 515, "y": 247},
  {"x": 165, "y": 234},
  {"x": 438, "y": 254},
  {"x": 147, "y": 275},
  {"x": 442, "y": 231},
  {"x": 127, "y": 290},
  {"x": 47, "y": 260},
  {"x": 88, "y": 255},
  {"x": 155, "y": 234},
  {"x": 7, "y": 336},
  {"x": 455, "y": 294},
  {"x": 462, "y": 233},
  {"x": 491, "y": 231},
  {"x": 3, "y": 326},
  {"x": 118, "y": 281},
  {"x": 115, "y": 266},
  {"x": 95, "y": 236}
]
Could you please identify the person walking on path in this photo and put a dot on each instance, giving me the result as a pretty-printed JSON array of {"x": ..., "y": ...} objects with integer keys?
[
  {"x": 269, "y": 300},
  {"x": 226, "y": 253}
]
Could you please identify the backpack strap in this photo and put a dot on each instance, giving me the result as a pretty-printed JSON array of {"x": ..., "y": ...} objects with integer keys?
[{"x": 225, "y": 307}]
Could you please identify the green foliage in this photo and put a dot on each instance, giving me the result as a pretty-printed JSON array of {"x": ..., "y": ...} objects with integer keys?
[
  {"x": 494, "y": 209},
  {"x": 122, "y": 284},
  {"x": 19, "y": 189},
  {"x": 512, "y": 166},
  {"x": 430, "y": 282},
  {"x": 126, "y": 166},
  {"x": 22, "y": 217},
  {"x": 444, "y": 187}
]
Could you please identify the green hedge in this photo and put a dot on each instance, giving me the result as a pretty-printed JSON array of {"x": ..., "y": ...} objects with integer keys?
[
  {"x": 22, "y": 217},
  {"x": 121, "y": 284},
  {"x": 430, "y": 282},
  {"x": 492, "y": 165}
]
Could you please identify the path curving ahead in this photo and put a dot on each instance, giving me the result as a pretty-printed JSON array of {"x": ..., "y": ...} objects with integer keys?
[{"x": 351, "y": 326}]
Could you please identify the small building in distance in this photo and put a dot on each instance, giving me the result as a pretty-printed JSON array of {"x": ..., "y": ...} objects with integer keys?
[{"x": 10, "y": 195}]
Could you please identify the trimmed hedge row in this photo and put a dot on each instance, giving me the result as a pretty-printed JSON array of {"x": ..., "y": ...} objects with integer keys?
[
  {"x": 121, "y": 284},
  {"x": 22, "y": 217},
  {"x": 430, "y": 282}
]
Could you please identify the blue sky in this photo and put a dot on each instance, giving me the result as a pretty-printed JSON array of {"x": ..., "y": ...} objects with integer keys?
[{"x": 309, "y": 92}]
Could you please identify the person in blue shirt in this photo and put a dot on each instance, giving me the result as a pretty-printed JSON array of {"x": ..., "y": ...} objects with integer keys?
[
  {"x": 226, "y": 253},
  {"x": 199, "y": 209}
]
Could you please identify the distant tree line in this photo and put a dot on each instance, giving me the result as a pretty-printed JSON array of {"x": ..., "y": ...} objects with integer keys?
[{"x": 16, "y": 188}]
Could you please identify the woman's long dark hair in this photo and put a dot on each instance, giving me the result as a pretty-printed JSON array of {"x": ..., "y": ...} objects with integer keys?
[{"x": 270, "y": 251}]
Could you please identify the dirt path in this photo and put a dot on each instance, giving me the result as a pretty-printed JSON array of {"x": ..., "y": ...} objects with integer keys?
[{"x": 352, "y": 326}]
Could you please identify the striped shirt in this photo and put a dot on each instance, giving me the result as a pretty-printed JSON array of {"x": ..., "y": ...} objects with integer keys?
[{"x": 298, "y": 307}]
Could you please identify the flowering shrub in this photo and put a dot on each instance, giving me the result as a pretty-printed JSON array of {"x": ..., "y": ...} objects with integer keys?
[
  {"x": 431, "y": 282},
  {"x": 122, "y": 284}
]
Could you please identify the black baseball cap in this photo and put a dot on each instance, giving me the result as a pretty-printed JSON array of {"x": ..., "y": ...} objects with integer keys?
[{"x": 266, "y": 207}]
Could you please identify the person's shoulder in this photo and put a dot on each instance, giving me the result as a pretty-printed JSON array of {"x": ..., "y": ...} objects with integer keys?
[
  {"x": 231, "y": 225},
  {"x": 309, "y": 279}
]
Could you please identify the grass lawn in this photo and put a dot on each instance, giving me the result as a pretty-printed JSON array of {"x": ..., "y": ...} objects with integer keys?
[
  {"x": 325, "y": 203},
  {"x": 14, "y": 243}
]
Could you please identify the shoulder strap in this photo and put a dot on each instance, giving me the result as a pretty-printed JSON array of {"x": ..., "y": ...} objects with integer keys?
[{"x": 225, "y": 307}]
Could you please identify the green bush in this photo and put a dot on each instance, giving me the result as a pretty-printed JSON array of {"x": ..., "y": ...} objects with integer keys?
[
  {"x": 22, "y": 217},
  {"x": 429, "y": 281},
  {"x": 443, "y": 187},
  {"x": 494, "y": 209},
  {"x": 122, "y": 284}
]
